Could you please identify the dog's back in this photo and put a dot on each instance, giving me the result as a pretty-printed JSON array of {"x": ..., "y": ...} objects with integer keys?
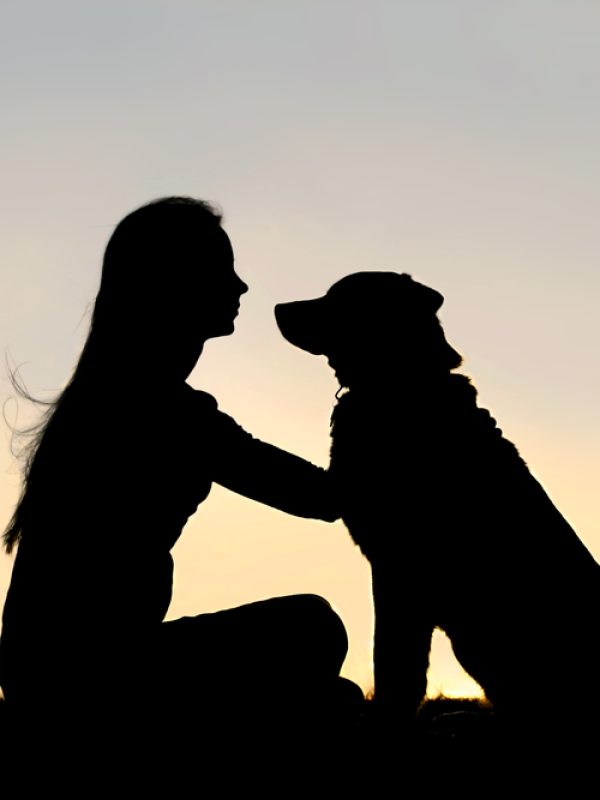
[{"x": 429, "y": 459}]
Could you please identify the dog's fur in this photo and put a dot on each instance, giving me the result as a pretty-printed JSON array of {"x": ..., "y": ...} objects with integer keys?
[{"x": 458, "y": 532}]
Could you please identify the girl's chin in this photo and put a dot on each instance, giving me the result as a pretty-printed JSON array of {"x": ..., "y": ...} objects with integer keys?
[{"x": 225, "y": 329}]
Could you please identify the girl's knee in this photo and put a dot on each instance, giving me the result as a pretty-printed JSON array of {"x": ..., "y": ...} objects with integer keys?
[{"x": 324, "y": 629}]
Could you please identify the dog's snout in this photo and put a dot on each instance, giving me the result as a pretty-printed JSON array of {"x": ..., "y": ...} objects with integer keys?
[{"x": 301, "y": 324}]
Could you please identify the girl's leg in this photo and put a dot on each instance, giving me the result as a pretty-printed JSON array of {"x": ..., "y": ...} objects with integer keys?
[{"x": 271, "y": 666}]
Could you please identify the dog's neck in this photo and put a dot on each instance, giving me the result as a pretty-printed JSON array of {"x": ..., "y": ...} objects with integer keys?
[
  {"x": 410, "y": 381},
  {"x": 409, "y": 387}
]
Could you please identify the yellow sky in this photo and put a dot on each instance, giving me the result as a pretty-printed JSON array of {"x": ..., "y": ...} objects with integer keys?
[{"x": 450, "y": 139}]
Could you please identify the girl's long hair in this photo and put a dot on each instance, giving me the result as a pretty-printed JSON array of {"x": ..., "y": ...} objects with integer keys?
[{"x": 144, "y": 262}]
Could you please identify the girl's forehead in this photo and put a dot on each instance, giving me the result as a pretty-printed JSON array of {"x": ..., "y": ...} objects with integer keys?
[{"x": 218, "y": 243}]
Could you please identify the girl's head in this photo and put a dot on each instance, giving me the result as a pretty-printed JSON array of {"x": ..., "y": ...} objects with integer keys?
[{"x": 168, "y": 284}]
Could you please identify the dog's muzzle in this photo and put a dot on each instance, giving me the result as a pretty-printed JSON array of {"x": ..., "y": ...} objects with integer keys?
[{"x": 302, "y": 323}]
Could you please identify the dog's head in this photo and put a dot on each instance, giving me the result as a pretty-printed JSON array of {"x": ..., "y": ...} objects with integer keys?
[{"x": 368, "y": 322}]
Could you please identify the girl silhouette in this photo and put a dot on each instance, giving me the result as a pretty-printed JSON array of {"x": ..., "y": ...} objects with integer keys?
[{"x": 116, "y": 469}]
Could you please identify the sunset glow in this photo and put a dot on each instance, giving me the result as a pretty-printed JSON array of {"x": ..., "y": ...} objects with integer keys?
[{"x": 456, "y": 141}]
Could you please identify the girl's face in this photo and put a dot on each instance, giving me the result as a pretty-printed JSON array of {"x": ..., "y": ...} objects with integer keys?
[
  {"x": 207, "y": 301},
  {"x": 219, "y": 288}
]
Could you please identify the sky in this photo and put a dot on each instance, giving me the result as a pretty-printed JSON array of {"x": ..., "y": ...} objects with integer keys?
[{"x": 456, "y": 140}]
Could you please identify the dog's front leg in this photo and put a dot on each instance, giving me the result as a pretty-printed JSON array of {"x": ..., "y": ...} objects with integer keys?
[{"x": 403, "y": 630}]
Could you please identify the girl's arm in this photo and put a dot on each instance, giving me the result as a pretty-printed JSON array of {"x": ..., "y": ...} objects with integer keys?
[{"x": 269, "y": 475}]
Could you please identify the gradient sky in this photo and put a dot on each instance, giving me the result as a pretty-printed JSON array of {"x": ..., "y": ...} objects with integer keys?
[{"x": 456, "y": 140}]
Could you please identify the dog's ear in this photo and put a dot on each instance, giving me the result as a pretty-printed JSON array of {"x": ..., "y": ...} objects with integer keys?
[
  {"x": 420, "y": 298},
  {"x": 403, "y": 318}
]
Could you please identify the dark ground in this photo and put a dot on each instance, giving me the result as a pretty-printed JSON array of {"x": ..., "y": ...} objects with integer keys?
[{"x": 456, "y": 744}]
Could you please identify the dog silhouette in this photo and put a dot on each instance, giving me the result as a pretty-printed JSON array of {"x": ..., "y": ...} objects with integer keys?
[{"x": 459, "y": 534}]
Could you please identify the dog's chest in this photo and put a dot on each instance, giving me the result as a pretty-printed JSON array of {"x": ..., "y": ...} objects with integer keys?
[
  {"x": 390, "y": 464},
  {"x": 398, "y": 468}
]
